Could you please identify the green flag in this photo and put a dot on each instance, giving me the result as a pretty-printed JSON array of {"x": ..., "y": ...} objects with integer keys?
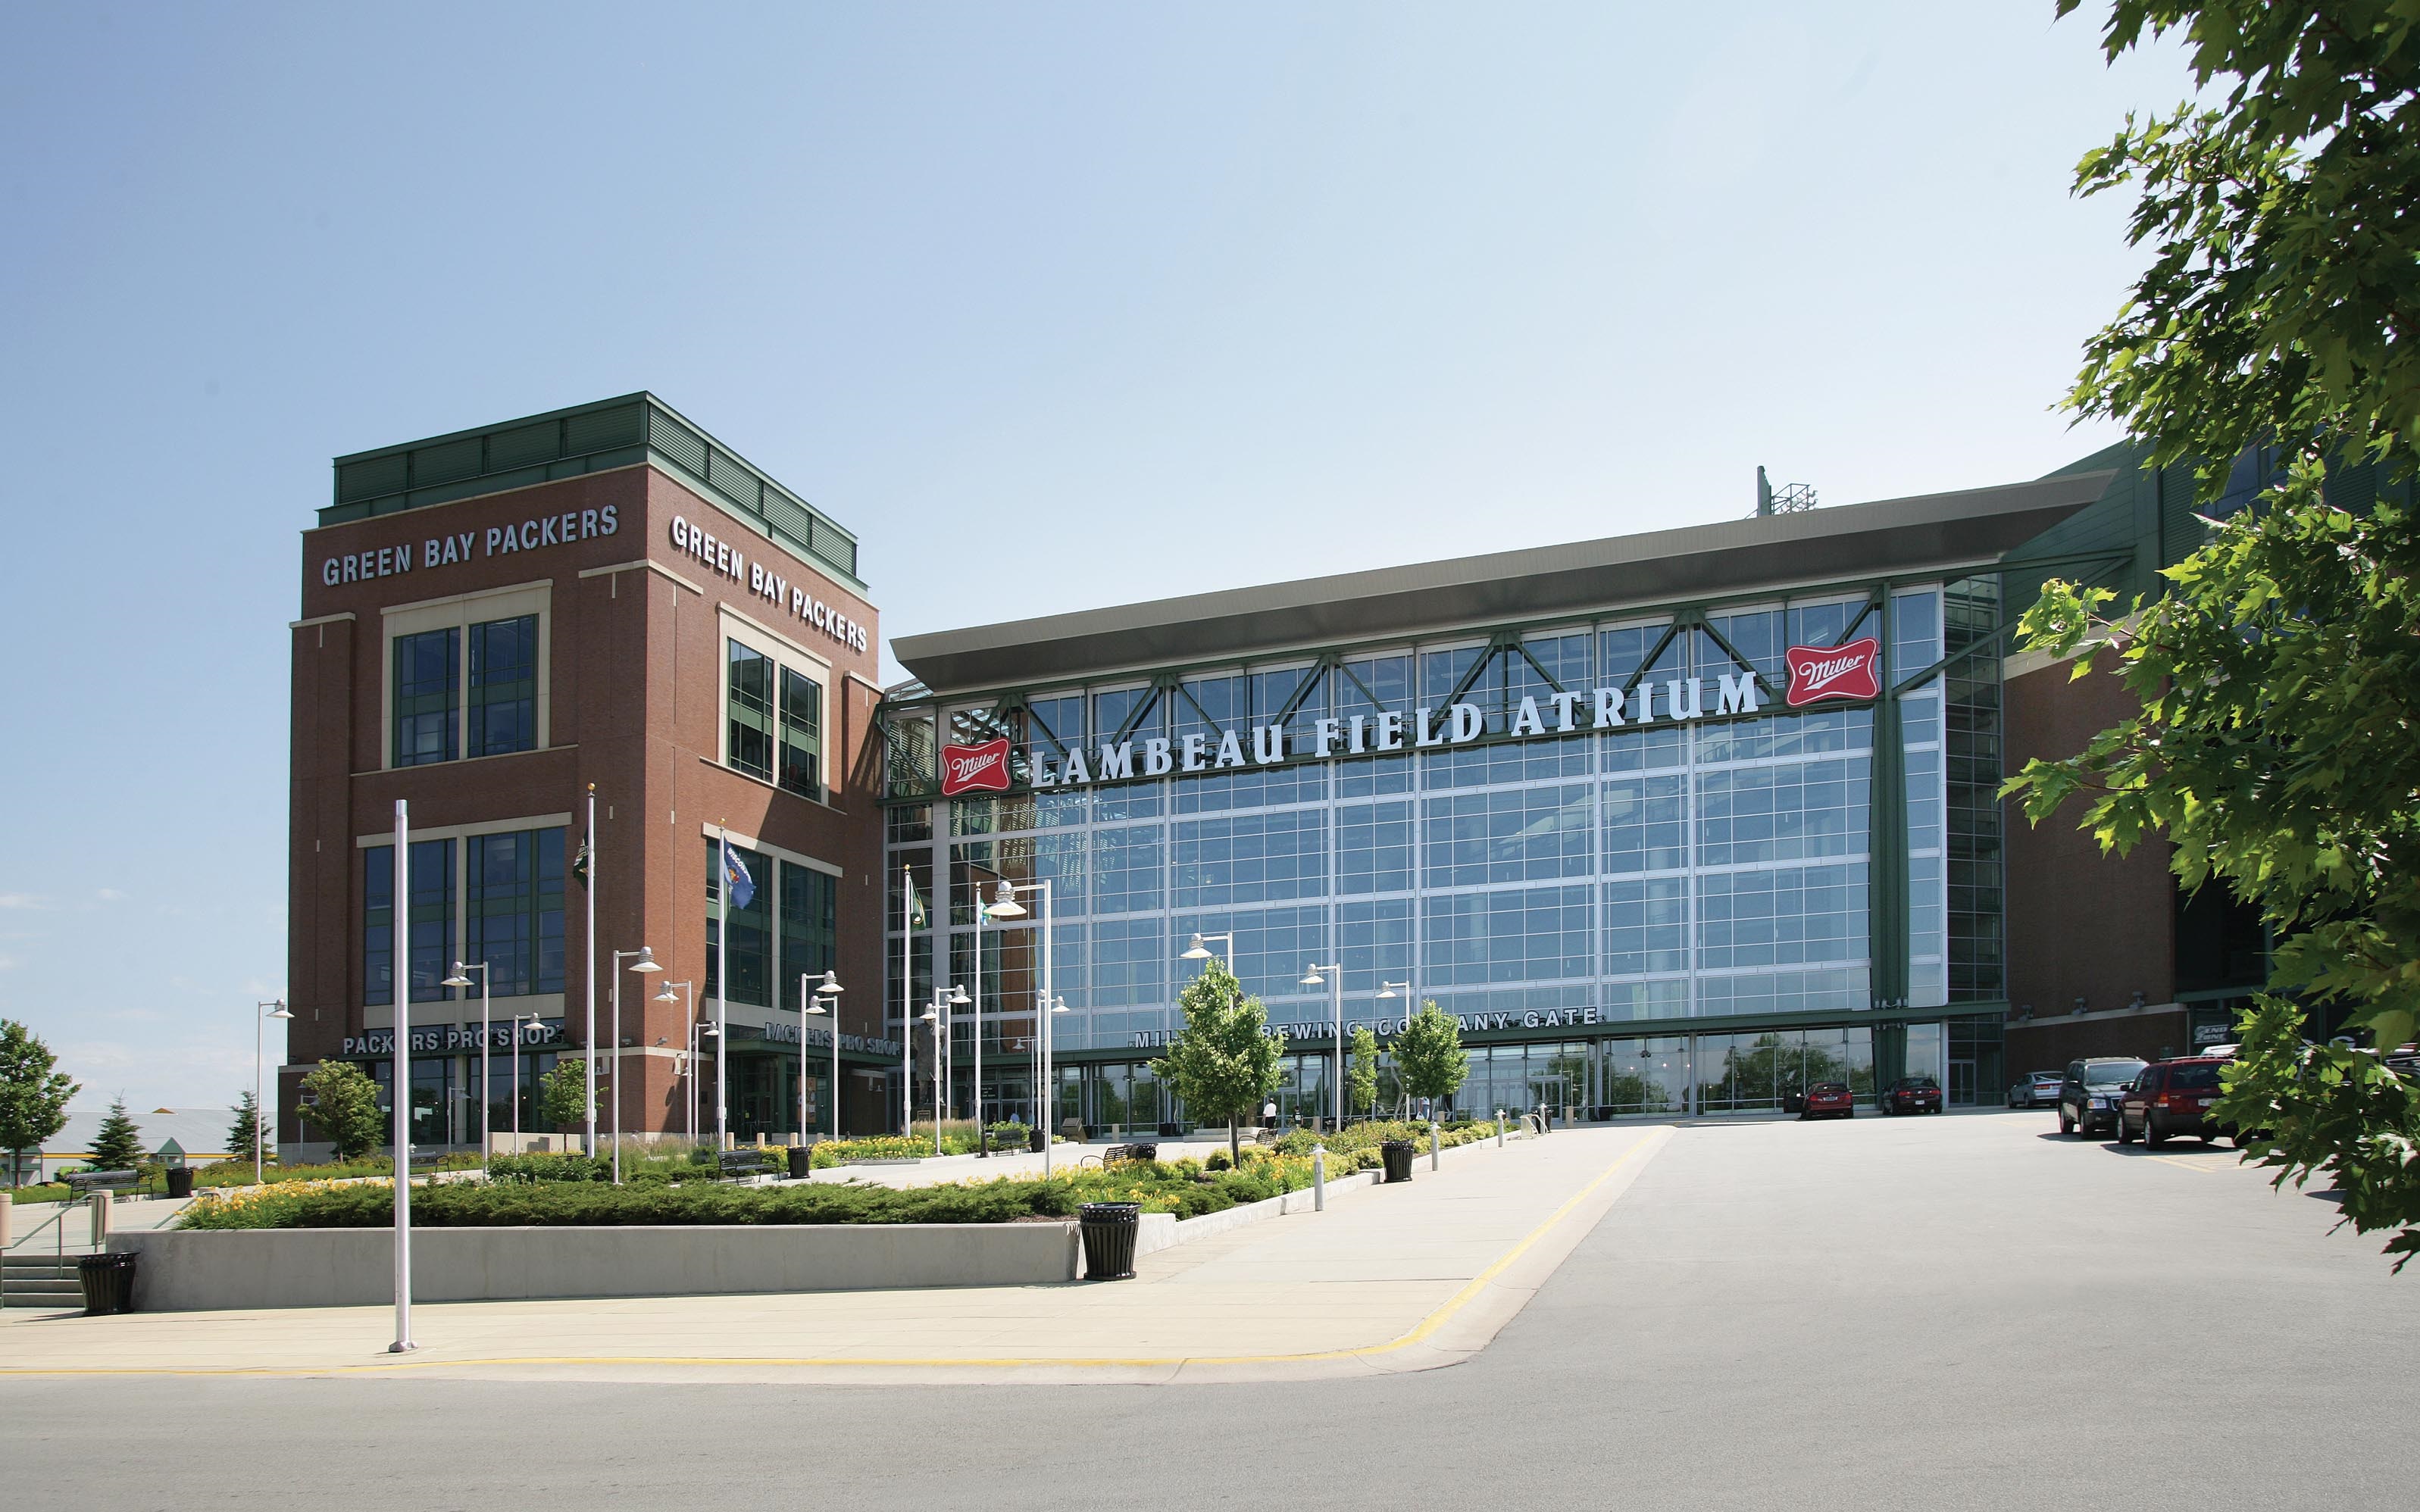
[
  {"x": 915, "y": 903},
  {"x": 580, "y": 862}
]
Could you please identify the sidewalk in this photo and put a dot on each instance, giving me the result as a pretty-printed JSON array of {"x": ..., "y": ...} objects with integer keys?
[{"x": 1387, "y": 1280}]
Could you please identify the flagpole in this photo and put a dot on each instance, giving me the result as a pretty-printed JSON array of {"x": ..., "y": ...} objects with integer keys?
[
  {"x": 589, "y": 973},
  {"x": 402, "y": 912},
  {"x": 722, "y": 990},
  {"x": 907, "y": 1001}
]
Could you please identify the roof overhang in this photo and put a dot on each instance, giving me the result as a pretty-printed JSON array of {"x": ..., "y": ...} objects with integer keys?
[{"x": 1886, "y": 538}]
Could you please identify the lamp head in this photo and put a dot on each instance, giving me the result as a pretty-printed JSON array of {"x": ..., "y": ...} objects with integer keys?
[
  {"x": 1196, "y": 952},
  {"x": 280, "y": 1012},
  {"x": 928, "y": 1016},
  {"x": 647, "y": 961},
  {"x": 667, "y": 995},
  {"x": 1059, "y": 1006},
  {"x": 461, "y": 977},
  {"x": 831, "y": 985},
  {"x": 1310, "y": 977},
  {"x": 815, "y": 1006},
  {"x": 958, "y": 995},
  {"x": 1004, "y": 902}
]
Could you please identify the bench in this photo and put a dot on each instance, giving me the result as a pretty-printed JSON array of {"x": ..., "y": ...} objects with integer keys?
[
  {"x": 742, "y": 1164},
  {"x": 81, "y": 1182},
  {"x": 1118, "y": 1153}
]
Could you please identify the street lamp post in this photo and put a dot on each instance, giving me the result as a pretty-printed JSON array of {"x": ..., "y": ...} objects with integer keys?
[
  {"x": 1004, "y": 905},
  {"x": 937, "y": 1013},
  {"x": 815, "y": 1005},
  {"x": 1387, "y": 990},
  {"x": 1199, "y": 949},
  {"x": 277, "y": 1010},
  {"x": 461, "y": 978},
  {"x": 1332, "y": 977},
  {"x": 641, "y": 961},
  {"x": 689, "y": 1062},
  {"x": 516, "y": 1079},
  {"x": 811, "y": 992}
]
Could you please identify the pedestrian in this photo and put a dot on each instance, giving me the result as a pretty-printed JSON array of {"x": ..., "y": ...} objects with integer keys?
[{"x": 1269, "y": 1114}]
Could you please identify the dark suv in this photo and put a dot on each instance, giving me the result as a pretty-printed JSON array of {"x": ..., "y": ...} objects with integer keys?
[
  {"x": 2087, "y": 1097},
  {"x": 1910, "y": 1094},
  {"x": 2171, "y": 1099}
]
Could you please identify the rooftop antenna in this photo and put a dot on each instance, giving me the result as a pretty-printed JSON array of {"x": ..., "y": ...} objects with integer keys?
[{"x": 1787, "y": 499}]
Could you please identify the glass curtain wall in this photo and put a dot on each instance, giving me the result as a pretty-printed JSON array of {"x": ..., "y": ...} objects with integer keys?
[{"x": 1662, "y": 871}]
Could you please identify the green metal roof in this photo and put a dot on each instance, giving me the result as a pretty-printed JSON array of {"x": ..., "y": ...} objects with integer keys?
[{"x": 589, "y": 438}]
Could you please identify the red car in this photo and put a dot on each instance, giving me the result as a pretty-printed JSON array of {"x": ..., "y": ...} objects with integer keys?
[
  {"x": 1828, "y": 1100},
  {"x": 2168, "y": 1100},
  {"x": 1912, "y": 1094}
]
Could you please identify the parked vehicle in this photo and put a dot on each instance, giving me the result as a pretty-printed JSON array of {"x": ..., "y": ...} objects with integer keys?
[
  {"x": 2088, "y": 1095},
  {"x": 2171, "y": 1100},
  {"x": 1828, "y": 1100},
  {"x": 2038, "y": 1090},
  {"x": 1910, "y": 1094}
]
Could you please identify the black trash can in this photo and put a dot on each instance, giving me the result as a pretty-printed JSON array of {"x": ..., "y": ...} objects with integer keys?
[
  {"x": 1109, "y": 1229},
  {"x": 802, "y": 1161},
  {"x": 1035, "y": 1139},
  {"x": 108, "y": 1282},
  {"x": 181, "y": 1181},
  {"x": 1397, "y": 1153}
]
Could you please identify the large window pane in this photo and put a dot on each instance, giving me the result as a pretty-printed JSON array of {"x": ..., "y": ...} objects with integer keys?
[
  {"x": 515, "y": 909},
  {"x": 803, "y": 742},
  {"x": 1128, "y": 876},
  {"x": 1373, "y": 847},
  {"x": 1522, "y": 835},
  {"x": 752, "y": 711},
  {"x": 1532, "y": 934},
  {"x": 1782, "y": 813},
  {"x": 810, "y": 926},
  {"x": 1249, "y": 858},
  {"x": 427, "y": 686},
  {"x": 504, "y": 685},
  {"x": 1645, "y": 828},
  {"x": 752, "y": 925}
]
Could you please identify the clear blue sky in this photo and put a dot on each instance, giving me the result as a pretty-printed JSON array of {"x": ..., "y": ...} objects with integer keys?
[{"x": 1055, "y": 306}]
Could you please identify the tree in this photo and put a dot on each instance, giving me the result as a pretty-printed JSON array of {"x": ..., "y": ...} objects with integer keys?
[
  {"x": 1224, "y": 1061},
  {"x": 118, "y": 1145},
  {"x": 2278, "y": 321},
  {"x": 32, "y": 1094},
  {"x": 1429, "y": 1055},
  {"x": 562, "y": 1095},
  {"x": 343, "y": 1105},
  {"x": 247, "y": 1121},
  {"x": 1361, "y": 1071}
]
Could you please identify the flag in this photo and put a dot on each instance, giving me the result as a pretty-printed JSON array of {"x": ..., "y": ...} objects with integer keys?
[
  {"x": 735, "y": 873},
  {"x": 915, "y": 905},
  {"x": 580, "y": 862}
]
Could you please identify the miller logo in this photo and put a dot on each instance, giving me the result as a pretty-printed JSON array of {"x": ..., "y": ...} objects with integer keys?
[
  {"x": 975, "y": 769},
  {"x": 1849, "y": 671}
]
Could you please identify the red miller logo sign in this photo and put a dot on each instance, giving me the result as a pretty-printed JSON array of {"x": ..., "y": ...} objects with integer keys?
[
  {"x": 1849, "y": 671},
  {"x": 975, "y": 769}
]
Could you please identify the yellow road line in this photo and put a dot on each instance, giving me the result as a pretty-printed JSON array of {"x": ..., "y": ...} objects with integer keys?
[{"x": 1427, "y": 1326}]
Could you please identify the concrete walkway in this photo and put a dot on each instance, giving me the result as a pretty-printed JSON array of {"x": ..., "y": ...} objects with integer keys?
[{"x": 1387, "y": 1280}]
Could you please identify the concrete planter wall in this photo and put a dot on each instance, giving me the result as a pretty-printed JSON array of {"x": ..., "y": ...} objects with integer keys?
[{"x": 214, "y": 1269}]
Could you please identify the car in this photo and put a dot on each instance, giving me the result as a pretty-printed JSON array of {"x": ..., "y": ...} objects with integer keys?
[
  {"x": 2088, "y": 1094},
  {"x": 2170, "y": 1099},
  {"x": 2038, "y": 1090},
  {"x": 1828, "y": 1100},
  {"x": 1910, "y": 1094}
]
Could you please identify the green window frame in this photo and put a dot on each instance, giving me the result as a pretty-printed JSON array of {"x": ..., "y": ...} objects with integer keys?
[
  {"x": 750, "y": 711},
  {"x": 752, "y": 929},
  {"x": 802, "y": 740},
  {"x": 810, "y": 924},
  {"x": 503, "y": 687},
  {"x": 514, "y": 907},
  {"x": 428, "y": 697}
]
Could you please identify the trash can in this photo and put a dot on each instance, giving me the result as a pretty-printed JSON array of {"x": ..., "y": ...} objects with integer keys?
[
  {"x": 108, "y": 1282},
  {"x": 1109, "y": 1229},
  {"x": 1035, "y": 1139},
  {"x": 181, "y": 1181},
  {"x": 802, "y": 1161},
  {"x": 1397, "y": 1153}
]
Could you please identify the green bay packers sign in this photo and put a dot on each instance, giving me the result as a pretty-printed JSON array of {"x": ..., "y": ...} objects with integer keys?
[{"x": 1817, "y": 675}]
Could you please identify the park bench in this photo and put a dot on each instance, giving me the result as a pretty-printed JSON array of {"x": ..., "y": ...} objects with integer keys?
[
  {"x": 1118, "y": 1153},
  {"x": 81, "y": 1182},
  {"x": 744, "y": 1164}
]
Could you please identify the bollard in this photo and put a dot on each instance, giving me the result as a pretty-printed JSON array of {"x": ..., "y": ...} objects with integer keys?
[
  {"x": 7, "y": 1203},
  {"x": 1433, "y": 1145},
  {"x": 1319, "y": 1178},
  {"x": 1499, "y": 1127},
  {"x": 99, "y": 1204}
]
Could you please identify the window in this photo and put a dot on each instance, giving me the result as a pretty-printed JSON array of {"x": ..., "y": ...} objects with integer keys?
[
  {"x": 1536, "y": 934},
  {"x": 1373, "y": 847},
  {"x": 426, "y": 683},
  {"x": 810, "y": 909},
  {"x": 751, "y": 749},
  {"x": 1250, "y": 859},
  {"x": 504, "y": 685},
  {"x": 515, "y": 908},
  {"x": 802, "y": 741},
  {"x": 751, "y": 928},
  {"x": 776, "y": 721},
  {"x": 1514, "y": 835},
  {"x": 430, "y": 958}
]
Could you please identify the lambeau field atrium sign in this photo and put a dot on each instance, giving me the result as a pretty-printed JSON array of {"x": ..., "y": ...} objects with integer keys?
[{"x": 1817, "y": 673}]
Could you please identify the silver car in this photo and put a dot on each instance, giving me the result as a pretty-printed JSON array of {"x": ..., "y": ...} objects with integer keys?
[{"x": 2038, "y": 1090}]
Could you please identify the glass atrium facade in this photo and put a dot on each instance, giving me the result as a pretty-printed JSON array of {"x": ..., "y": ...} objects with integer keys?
[{"x": 1670, "y": 918}]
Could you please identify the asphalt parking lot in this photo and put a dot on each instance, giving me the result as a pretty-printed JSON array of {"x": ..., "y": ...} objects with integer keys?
[{"x": 1952, "y": 1311}]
